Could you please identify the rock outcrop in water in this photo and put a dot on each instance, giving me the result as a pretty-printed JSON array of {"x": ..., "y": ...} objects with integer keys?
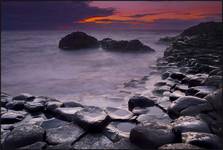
[
  {"x": 78, "y": 40},
  {"x": 133, "y": 45}
]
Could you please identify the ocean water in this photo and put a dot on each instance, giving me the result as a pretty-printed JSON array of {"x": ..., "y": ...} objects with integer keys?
[{"x": 31, "y": 62}]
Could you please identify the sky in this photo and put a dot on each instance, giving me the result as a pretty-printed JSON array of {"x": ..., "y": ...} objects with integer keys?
[{"x": 149, "y": 15}]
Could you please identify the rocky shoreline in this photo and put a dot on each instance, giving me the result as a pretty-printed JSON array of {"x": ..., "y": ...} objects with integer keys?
[{"x": 183, "y": 111}]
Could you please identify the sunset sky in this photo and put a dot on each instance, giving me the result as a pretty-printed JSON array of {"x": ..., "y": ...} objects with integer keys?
[{"x": 108, "y": 14}]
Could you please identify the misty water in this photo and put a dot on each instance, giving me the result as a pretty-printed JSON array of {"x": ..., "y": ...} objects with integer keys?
[{"x": 31, "y": 62}]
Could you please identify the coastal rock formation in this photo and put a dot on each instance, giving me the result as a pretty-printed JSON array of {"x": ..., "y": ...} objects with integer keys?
[
  {"x": 152, "y": 135},
  {"x": 92, "y": 118},
  {"x": 133, "y": 45},
  {"x": 23, "y": 135},
  {"x": 139, "y": 101},
  {"x": 78, "y": 40}
]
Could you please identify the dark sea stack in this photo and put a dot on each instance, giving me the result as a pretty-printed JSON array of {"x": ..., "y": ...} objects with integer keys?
[
  {"x": 78, "y": 40},
  {"x": 125, "y": 46}
]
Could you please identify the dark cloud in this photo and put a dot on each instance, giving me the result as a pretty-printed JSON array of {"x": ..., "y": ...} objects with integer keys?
[
  {"x": 48, "y": 14},
  {"x": 142, "y": 15}
]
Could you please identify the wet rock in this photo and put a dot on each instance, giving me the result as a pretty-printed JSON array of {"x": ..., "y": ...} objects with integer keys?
[
  {"x": 203, "y": 89},
  {"x": 15, "y": 105},
  {"x": 72, "y": 104},
  {"x": 215, "y": 99},
  {"x": 161, "y": 83},
  {"x": 182, "y": 103},
  {"x": 118, "y": 114},
  {"x": 12, "y": 117},
  {"x": 155, "y": 114},
  {"x": 4, "y": 134},
  {"x": 78, "y": 40},
  {"x": 62, "y": 146},
  {"x": 139, "y": 110},
  {"x": 3, "y": 110},
  {"x": 201, "y": 94},
  {"x": 62, "y": 134},
  {"x": 165, "y": 75},
  {"x": 160, "y": 90},
  {"x": 177, "y": 75},
  {"x": 93, "y": 141},
  {"x": 197, "y": 109},
  {"x": 139, "y": 101},
  {"x": 205, "y": 140},
  {"x": 37, "y": 121},
  {"x": 214, "y": 80},
  {"x": 34, "y": 107},
  {"x": 5, "y": 100},
  {"x": 112, "y": 133},
  {"x": 36, "y": 146},
  {"x": 92, "y": 118},
  {"x": 175, "y": 95},
  {"x": 189, "y": 124},
  {"x": 23, "y": 135},
  {"x": 123, "y": 128},
  {"x": 53, "y": 123},
  {"x": 24, "y": 96},
  {"x": 67, "y": 113},
  {"x": 133, "y": 45},
  {"x": 52, "y": 105},
  {"x": 181, "y": 87},
  {"x": 217, "y": 71},
  {"x": 179, "y": 146},
  {"x": 152, "y": 136}
]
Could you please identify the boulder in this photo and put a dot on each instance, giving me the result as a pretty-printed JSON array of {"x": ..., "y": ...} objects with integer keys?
[
  {"x": 196, "y": 110},
  {"x": 152, "y": 136},
  {"x": 3, "y": 110},
  {"x": 78, "y": 40},
  {"x": 52, "y": 105},
  {"x": 189, "y": 124},
  {"x": 62, "y": 134},
  {"x": 118, "y": 114},
  {"x": 72, "y": 104},
  {"x": 53, "y": 123},
  {"x": 15, "y": 105},
  {"x": 215, "y": 99},
  {"x": 34, "y": 106},
  {"x": 179, "y": 146},
  {"x": 133, "y": 45},
  {"x": 92, "y": 118},
  {"x": 23, "y": 135},
  {"x": 12, "y": 117},
  {"x": 182, "y": 103},
  {"x": 24, "y": 97},
  {"x": 122, "y": 128},
  {"x": 215, "y": 80},
  {"x": 177, "y": 75},
  {"x": 205, "y": 140},
  {"x": 67, "y": 113},
  {"x": 139, "y": 101}
]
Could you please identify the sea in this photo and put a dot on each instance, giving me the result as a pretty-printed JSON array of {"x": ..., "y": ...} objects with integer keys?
[{"x": 31, "y": 62}]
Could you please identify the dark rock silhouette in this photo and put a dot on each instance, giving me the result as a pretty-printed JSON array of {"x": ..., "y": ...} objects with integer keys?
[
  {"x": 78, "y": 40},
  {"x": 133, "y": 45}
]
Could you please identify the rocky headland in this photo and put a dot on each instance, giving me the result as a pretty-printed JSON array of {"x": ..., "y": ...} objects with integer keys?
[{"x": 183, "y": 111}]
